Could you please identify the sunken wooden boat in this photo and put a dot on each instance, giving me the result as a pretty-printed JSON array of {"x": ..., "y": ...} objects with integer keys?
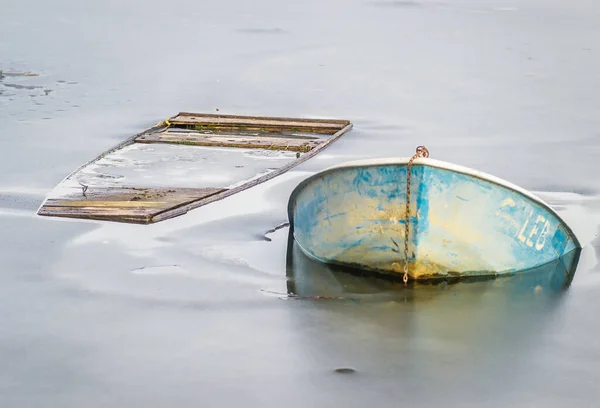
[
  {"x": 463, "y": 223},
  {"x": 187, "y": 161}
]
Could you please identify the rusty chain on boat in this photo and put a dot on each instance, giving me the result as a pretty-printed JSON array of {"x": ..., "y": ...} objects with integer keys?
[{"x": 421, "y": 152}]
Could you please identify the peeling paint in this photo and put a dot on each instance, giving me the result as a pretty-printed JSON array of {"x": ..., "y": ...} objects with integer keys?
[{"x": 461, "y": 223}]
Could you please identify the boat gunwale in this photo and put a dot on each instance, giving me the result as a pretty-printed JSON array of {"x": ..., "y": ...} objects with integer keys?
[{"x": 432, "y": 163}]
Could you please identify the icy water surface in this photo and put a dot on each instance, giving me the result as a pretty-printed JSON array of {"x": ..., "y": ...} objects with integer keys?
[{"x": 193, "y": 311}]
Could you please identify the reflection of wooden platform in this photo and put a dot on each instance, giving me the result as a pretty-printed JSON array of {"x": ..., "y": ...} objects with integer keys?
[{"x": 185, "y": 162}]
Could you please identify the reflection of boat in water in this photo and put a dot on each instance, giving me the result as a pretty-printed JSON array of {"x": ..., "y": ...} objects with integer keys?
[
  {"x": 462, "y": 222},
  {"x": 429, "y": 332},
  {"x": 309, "y": 277}
]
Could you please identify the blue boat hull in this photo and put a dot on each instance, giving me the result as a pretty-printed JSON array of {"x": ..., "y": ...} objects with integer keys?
[{"x": 462, "y": 222}]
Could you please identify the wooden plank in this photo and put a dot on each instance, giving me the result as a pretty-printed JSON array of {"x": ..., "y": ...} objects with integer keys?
[
  {"x": 195, "y": 204},
  {"x": 263, "y": 142},
  {"x": 101, "y": 214},
  {"x": 190, "y": 120},
  {"x": 341, "y": 122},
  {"x": 137, "y": 205},
  {"x": 250, "y": 133},
  {"x": 131, "y": 194}
]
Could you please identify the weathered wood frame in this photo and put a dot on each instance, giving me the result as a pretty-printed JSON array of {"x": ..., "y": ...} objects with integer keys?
[{"x": 221, "y": 122}]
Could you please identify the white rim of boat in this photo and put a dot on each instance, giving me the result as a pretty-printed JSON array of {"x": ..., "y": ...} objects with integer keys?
[{"x": 433, "y": 163}]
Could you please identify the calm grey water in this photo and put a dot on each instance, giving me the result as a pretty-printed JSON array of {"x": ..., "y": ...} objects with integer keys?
[{"x": 186, "y": 313}]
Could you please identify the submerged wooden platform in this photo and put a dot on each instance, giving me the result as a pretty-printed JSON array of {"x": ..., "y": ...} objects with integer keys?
[{"x": 187, "y": 161}]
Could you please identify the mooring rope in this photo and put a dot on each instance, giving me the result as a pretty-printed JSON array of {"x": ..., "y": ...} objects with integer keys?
[{"x": 421, "y": 152}]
